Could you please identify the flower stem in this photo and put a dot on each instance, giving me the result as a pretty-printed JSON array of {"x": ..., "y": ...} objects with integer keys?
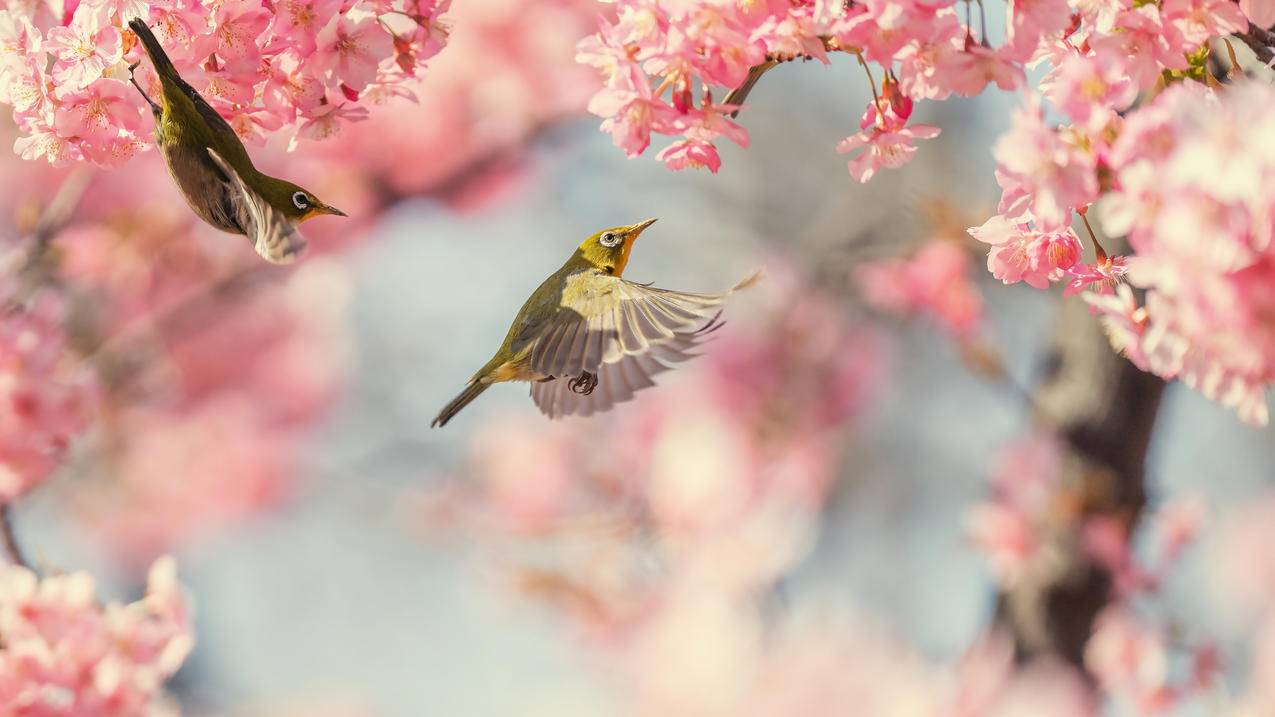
[
  {"x": 1100, "y": 254},
  {"x": 872, "y": 83}
]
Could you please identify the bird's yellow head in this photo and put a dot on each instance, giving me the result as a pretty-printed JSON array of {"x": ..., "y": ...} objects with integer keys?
[
  {"x": 296, "y": 203},
  {"x": 609, "y": 249}
]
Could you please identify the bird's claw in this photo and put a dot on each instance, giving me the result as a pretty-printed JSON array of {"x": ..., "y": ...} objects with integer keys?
[{"x": 583, "y": 384}]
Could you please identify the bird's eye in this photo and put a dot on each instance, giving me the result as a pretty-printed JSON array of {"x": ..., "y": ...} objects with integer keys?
[
  {"x": 301, "y": 200},
  {"x": 609, "y": 239}
]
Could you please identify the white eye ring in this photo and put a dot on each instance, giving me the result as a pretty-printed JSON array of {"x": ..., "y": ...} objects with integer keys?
[
  {"x": 300, "y": 200},
  {"x": 609, "y": 239}
]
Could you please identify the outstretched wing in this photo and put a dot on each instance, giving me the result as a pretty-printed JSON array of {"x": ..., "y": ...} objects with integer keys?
[
  {"x": 622, "y": 333},
  {"x": 271, "y": 233}
]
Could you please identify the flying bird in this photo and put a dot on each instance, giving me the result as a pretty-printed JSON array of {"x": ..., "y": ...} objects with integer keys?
[
  {"x": 212, "y": 169},
  {"x": 588, "y": 338}
]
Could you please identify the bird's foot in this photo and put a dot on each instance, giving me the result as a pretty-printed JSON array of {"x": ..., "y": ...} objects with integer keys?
[
  {"x": 133, "y": 79},
  {"x": 583, "y": 384}
]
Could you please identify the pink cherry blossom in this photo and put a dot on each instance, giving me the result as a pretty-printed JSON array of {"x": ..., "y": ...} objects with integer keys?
[
  {"x": 350, "y": 51},
  {"x": 1042, "y": 172},
  {"x": 182, "y": 28},
  {"x": 83, "y": 52},
  {"x": 1198, "y": 20},
  {"x": 1091, "y": 88},
  {"x": 632, "y": 112},
  {"x": 97, "y": 114},
  {"x": 934, "y": 281},
  {"x": 24, "y": 85},
  {"x": 239, "y": 23},
  {"x": 292, "y": 87},
  {"x": 1032, "y": 22},
  {"x": 44, "y": 402},
  {"x": 18, "y": 39},
  {"x": 1006, "y": 528},
  {"x": 885, "y": 141},
  {"x": 42, "y": 142},
  {"x": 298, "y": 22},
  {"x": 1144, "y": 44},
  {"x": 927, "y": 64},
  {"x": 274, "y": 62},
  {"x": 1204, "y": 296},
  {"x": 65, "y": 653},
  {"x": 969, "y": 72},
  {"x": 1124, "y": 321},
  {"x": 1020, "y": 253},
  {"x": 687, "y": 153},
  {"x": 1259, "y": 12},
  {"x": 1102, "y": 276},
  {"x": 326, "y": 120}
]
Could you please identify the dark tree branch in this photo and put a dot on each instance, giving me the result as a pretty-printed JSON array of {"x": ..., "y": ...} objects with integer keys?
[
  {"x": 1260, "y": 41},
  {"x": 1104, "y": 409},
  {"x": 12, "y": 550}
]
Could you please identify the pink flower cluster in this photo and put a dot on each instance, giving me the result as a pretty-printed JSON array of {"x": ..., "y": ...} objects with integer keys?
[
  {"x": 476, "y": 106},
  {"x": 934, "y": 281},
  {"x": 1009, "y": 527},
  {"x": 1045, "y": 174},
  {"x": 1191, "y": 174},
  {"x": 227, "y": 405},
  {"x": 44, "y": 401},
  {"x": 1140, "y": 657},
  {"x": 304, "y": 66},
  {"x": 693, "y": 49},
  {"x": 67, "y": 655},
  {"x": 1101, "y": 54},
  {"x": 1140, "y": 654}
]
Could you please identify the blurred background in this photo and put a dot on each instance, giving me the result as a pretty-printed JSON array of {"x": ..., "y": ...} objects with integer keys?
[{"x": 814, "y": 513}]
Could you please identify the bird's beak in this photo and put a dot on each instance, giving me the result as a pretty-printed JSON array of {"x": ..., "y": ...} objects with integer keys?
[
  {"x": 638, "y": 228},
  {"x": 325, "y": 209}
]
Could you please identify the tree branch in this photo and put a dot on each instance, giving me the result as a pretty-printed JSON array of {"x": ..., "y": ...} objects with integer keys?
[
  {"x": 9, "y": 539},
  {"x": 1260, "y": 41},
  {"x": 1104, "y": 409}
]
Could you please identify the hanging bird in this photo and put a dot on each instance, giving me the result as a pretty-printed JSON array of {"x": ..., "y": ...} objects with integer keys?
[
  {"x": 213, "y": 171},
  {"x": 588, "y": 338}
]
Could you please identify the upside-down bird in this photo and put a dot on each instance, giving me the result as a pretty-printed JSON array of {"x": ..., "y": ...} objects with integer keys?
[{"x": 212, "y": 169}]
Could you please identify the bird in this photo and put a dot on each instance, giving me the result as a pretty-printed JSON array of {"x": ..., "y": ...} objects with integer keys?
[
  {"x": 588, "y": 338},
  {"x": 212, "y": 169}
]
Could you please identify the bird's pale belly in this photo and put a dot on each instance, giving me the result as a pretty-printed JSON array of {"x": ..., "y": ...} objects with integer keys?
[{"x": 201, "y": 183}]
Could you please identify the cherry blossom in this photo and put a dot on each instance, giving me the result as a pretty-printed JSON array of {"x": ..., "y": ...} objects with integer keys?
[
  {"x": 1020, "y": 253},
  {"x": 44, "y": 402},
  {"x": 885, "y": 141},
  {"x": 351, "y": 51},
  {"x": 83, "y": 52},
  {"x": 934, "y": 280},
  {"x": 65, "y": 653},
  {"x": 294, "y": 67},
  {"x": 1203, "y": 297}
]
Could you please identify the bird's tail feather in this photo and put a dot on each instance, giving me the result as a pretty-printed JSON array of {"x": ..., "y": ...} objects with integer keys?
[
  {"x": 469, "y": 394},
  {"x": 163, "y": 66}
]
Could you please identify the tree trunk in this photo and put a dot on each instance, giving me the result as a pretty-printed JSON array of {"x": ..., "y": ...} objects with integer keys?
[{"x": 1104, "y": 410}]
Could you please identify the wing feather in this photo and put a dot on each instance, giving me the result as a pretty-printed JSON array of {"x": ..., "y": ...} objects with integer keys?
[
  {"x": 625, "y": 334},
  {"x": 272, "y": 234}
]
